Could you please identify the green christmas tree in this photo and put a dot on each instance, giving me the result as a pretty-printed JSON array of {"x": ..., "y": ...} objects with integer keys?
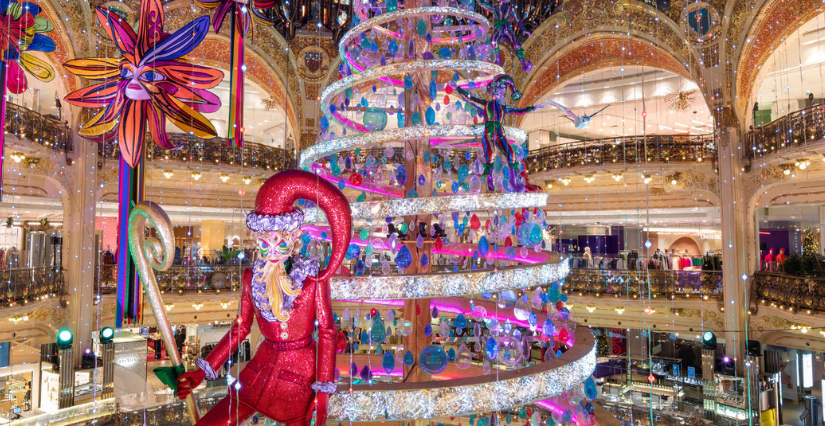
[{"x": 810, "y": 242}]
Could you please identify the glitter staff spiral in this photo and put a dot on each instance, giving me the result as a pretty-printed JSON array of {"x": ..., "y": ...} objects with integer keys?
[{"x": 151, "y": 253}]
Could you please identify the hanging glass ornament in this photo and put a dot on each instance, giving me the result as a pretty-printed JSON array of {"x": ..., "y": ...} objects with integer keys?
[
  {"x": 404, "y": 328},
  {"x": 404, "y": 258},
  {"x": 522, "y": 308},
  {"x": 463, "y": 358},
  {"x": 388, "y": 362},
  {"x": 408, "y": 359},
  {"x": 491, "y": 348},
  {"x": 433, "y": 359}
]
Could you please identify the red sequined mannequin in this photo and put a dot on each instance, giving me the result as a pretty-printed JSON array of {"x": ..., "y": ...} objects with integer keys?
[{"x": 285, "y": 380}]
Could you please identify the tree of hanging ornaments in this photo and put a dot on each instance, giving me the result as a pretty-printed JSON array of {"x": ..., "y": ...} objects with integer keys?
[{"x": 446, "y": 223}]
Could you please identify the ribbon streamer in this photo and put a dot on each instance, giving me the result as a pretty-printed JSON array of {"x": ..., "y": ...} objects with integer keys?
[
  {"x": 236, "y": 83},
  {"x": 151, "y": 253}
]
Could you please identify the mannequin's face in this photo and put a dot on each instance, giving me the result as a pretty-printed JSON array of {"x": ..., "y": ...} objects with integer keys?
[{"x": 277, "y": 246}]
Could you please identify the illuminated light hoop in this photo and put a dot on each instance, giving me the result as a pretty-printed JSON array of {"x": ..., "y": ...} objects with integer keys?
[
  {"x": 433, "y": 205},
  {"x": 374, "y": 24},
  {"x": 487, "y": 69},
  {"x": 444, "y": 131},
  {"x": 446, "y": 284},
  {"x": 454, "y": 249},
  {"x": 469, "y": 395}
]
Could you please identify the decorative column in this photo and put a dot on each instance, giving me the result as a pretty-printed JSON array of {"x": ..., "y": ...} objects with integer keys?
[
  {"x": 79, "y": 226},
  {"x": 736, "y": 248}
]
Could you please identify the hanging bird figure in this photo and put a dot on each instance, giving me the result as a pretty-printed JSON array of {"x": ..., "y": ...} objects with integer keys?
[{"x": 582, "y": 122}]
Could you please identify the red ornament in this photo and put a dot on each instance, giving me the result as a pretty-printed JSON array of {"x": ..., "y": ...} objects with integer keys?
[
  {"x": 417, "y": 309},
  {"x": 446, "y": 100},
  {"x": 651, "y": 378},
  {"x": 475, "y": 223},
  {"x": 508, "y": 242},
  {"x": 355, "y": 179},
  {"x": 373, "y": 313},
  {"x": 438, "y": 243},
  {"x": 449, "y": 89},
  {"x": 488, "y": 224},
  {"x": 519, "y": 218},
  {"x": 341, "y": 344},
  {"x": 563, "y": 335}
]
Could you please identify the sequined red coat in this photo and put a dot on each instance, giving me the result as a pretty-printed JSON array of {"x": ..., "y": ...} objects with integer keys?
[{"x": 277, "y": 383}]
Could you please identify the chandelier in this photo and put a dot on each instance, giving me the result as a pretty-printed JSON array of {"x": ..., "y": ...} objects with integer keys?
[{"x": 681, "y": 100}]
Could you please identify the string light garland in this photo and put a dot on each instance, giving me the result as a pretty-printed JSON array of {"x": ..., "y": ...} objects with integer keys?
[
  {"x": 440, "y": 284},
  {"x": 426, "y": 400},
  {"x": 434, "y": 133},
  {"x": 434, "y": 205}
]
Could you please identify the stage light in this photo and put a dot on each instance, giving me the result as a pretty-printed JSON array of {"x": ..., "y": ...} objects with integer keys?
[
  {"x": 106, "y": 334},
  {"x": 64, "y": 339},
  {"x": 709, "y": 339}
]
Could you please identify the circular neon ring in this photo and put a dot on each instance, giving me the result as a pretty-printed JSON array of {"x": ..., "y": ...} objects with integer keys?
[
  {"x": 443, "y": 284},
  {"x": 471, "y": 395},
  {"x": 486, "y": 68},
  {"x": 456, "y": 131},
  {"x": 432, "y": 205},
  {"x": 373, "y": 24}
]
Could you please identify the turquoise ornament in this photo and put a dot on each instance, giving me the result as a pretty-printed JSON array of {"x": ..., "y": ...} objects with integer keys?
[
  {"x": 432, "y": 359},
  {"x": 388, "y": 362}
]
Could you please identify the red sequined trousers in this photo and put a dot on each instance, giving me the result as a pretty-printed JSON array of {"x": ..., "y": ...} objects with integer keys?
[{"x": 276, "y": 382}]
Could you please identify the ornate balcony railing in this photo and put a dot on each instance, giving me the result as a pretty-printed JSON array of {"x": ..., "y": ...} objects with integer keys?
[
  {"x": 38, "y": 128},
  {"x": 623, "y": 150},
  {"x": 25, "y": 285},
  {"x": 180, "y": 279},
  {"x": 793, "y": 130},
  {"x": 663, "y": 283},
  {"x": 788, "y": 292},
  {"x": 214, "y": 151}
]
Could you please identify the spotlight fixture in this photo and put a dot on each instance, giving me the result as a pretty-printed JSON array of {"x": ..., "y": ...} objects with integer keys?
[
  {"x": 591, "y": 307},
  {"x": 106, "y": 334},
  {"x": 787, "y": 171},
  {"x": 197, "y": 175},
  {"x": 169, "y": 306},
  {"x": 168, "y": 174},
  {"x": 247, "y": 180},
  {"x": 64, "y": 339},
  {"x": 17, "y": 157},
  {"x": 197, "y": 306},
  {"x": 224, "y": 177},
  {"x": 617, "y": 177},
  {"x": 589, "y": 178},
  {"x": 647, "y": 178},
  {"x": 565, "y": 181},
  {"x": 709, "y": 340},
  {"x": 620, "y": 310}
]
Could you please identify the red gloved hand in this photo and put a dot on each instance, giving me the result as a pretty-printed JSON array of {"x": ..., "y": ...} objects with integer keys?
[
  {"x": 189, "y": 381},
  {"x": 321, "y": 405}
]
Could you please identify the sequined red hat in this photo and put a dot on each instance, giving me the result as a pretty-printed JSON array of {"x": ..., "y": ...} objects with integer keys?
[{"x": 274, "y": 210}]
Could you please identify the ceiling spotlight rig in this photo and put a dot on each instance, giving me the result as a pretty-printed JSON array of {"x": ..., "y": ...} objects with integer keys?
[{"x": 290, "y": 18}]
